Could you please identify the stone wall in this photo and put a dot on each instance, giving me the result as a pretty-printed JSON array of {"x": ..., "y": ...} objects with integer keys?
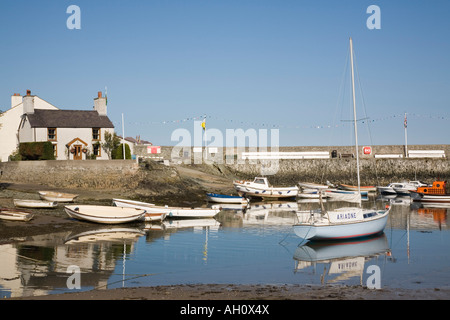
[
  {"x": 186, "y": 153},
  {"x": 128, "y": 174},
  {"x": 95, "y": 174},
  {"x": 372, "y": 171}
]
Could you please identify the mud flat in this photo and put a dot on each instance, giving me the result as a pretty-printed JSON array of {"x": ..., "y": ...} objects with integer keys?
[{"x": 250, "y": 292}]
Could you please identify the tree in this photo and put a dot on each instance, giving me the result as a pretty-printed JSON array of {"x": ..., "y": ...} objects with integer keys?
[
  {"x": 118, "y": 152},
  {"x": 112, "y": 141}
]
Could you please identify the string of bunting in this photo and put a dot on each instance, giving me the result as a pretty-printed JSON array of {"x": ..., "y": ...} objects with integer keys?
[{"x": 282, "y": 126}]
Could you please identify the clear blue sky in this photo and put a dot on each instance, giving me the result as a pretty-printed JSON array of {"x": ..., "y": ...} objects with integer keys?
[{"x": 244, "y": 63}]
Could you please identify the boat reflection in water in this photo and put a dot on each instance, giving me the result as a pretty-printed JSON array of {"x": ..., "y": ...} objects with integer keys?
[
  {"x": 38, "y": 265},
  {"x": 342, "y": 260}
]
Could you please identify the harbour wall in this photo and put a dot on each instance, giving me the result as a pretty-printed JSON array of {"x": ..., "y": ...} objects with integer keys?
[
  {"x": 131, "y": 174},
  {"x": 100, "y": 174},
  {"x": 188, "y": 154}
]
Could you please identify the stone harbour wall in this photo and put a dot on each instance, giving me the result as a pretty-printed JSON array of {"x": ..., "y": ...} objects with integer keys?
[
  {"x": 128, "y": 174},
  {"x": 89, "y": 174},
  {"x": 372, "y": 171}
]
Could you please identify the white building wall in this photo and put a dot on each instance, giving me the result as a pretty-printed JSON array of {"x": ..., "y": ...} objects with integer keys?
[
  {"x": 66, "y": 135},
  {"x": 9, "y": 124},
  {"x": 26, "y": 133}
]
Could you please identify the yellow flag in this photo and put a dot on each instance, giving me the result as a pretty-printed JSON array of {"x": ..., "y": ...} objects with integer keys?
[{"x": 203, "y": 124}]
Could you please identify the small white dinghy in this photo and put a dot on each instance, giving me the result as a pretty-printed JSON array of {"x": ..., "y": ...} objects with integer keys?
[
  {"x": 104, "y": 214},
  {"x": 170, "y": 212},
  {"x": 57, "y": 196},
  {"x": 149, "y": 216},
  {"x": 35, "y": 203},
  {"x": 14, "y": 214},
  {"x": 224, "y": 198}
]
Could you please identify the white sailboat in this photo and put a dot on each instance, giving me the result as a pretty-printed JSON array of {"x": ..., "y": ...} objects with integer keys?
[{"x": 343, "y": 223}]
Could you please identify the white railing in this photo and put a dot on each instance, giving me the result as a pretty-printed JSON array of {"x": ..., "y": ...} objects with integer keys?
[
  {"x": 285, "y": 155},
  {"x": 426, "y": 153},
  {"x": 388, "y": 156}
]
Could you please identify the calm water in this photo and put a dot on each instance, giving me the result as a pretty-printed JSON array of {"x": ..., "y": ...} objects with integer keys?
[{"x": 255, "y": 247}]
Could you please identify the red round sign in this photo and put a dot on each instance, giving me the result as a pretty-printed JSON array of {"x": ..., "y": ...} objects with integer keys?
[{"x": 367, "y": 150}]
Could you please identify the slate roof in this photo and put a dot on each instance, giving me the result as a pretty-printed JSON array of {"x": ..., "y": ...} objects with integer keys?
[{"x": 68, "y": 119}]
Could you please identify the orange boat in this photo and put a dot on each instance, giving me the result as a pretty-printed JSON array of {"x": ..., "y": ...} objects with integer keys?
[
  {"x": 438, "y": 187},
  {"x": 434, "y": 194}
]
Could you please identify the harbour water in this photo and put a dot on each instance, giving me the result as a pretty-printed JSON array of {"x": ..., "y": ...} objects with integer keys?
[{"x": 254, "y": 246}]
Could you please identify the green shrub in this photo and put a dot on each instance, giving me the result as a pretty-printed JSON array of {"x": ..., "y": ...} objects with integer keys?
[
  {"x": 117, "y": 153},
  {"x": 36, "y": 151}
]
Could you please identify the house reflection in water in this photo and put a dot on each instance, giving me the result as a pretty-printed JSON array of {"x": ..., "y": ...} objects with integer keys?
[{"x": 38, "y": 264}]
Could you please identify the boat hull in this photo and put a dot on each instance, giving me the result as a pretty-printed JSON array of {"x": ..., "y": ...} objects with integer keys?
[
  {"x": 431, "y": 198},
  {"x": 57, "y": 196},
  {"x": 268, "y": 193},
  {"x": 172, "y": 212},
  {"x": 221, "y": 198},
  {"x": 104, "y": 214},
  {"x": 341, "y": 231},
  {"x": 307, "y": 185},
  {"x": 355, "y": 188},
  {"x": 15, "y": 214},
  {"x": 386, "y": 190},
  {"x": 35, "y": 203}
]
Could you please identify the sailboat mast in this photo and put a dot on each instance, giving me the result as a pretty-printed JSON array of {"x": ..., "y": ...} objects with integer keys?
[{"x": 354, "y": 116}]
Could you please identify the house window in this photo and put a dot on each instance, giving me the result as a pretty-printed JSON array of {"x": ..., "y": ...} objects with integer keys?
[
  {"x": 51, "y": 134},
  {"x": 97, "y": 149},
  {"x": 96, "y": 134}
]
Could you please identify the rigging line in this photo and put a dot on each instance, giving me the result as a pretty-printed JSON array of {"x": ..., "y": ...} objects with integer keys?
[
  {"x": 365, "y": 113},
  {"x": 341, "y": 89}
]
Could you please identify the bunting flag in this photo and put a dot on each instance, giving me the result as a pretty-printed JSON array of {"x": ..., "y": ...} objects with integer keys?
[{"x": 314, "y": 126}]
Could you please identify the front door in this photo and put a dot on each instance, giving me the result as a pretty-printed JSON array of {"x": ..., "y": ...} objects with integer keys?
[{"x": 77, "y": 155}]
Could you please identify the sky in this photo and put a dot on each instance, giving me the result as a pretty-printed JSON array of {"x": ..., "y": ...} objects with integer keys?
[{"x": 260, "y": 65}]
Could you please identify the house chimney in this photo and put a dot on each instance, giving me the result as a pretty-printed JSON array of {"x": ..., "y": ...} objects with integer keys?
[
  {"x": 16, "y": 99},
  {"x": 100, "y": 104},
  {"x": 28, "y": 103}
]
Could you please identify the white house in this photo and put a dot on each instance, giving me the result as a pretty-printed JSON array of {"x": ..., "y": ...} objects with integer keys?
[{"x": 75, "y": 134}]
